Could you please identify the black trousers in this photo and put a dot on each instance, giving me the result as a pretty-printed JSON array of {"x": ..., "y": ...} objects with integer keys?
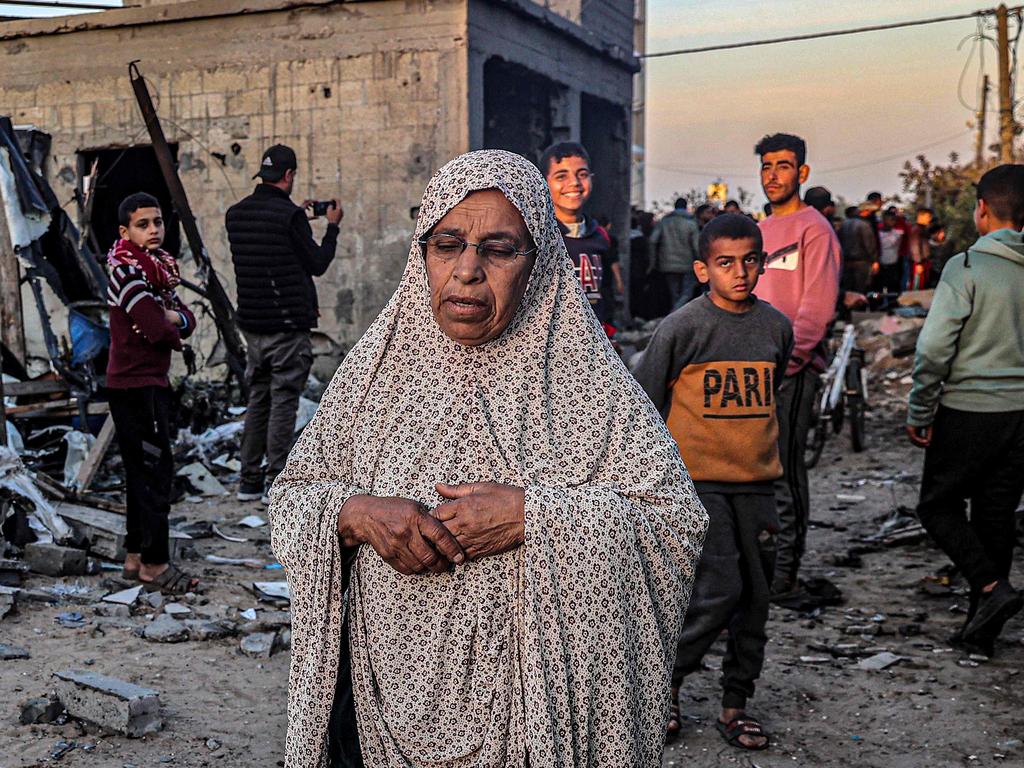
[
  {"x": 142, "y": 422},
  {"x": 731, "y": 592},
  {"x": 795, "y": 408},
  {"x": 978, "y": 457}
]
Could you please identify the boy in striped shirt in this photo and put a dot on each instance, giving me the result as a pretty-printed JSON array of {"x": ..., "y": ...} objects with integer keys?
[{"x": 147, "y": 322}]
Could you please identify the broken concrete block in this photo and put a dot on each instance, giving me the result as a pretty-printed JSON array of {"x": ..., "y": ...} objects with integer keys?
[
  {"x": 165, "y": 629},
  {"x": 259, "y": 645},
  {"x": 12, "y": 652},
  {"x": 6, "y": 604},
  {"x": 41, "y": 710},
  {"x": 879, "y": 661},
  {"x": 177, "y": 609},
  {"x": 55, "y": 560},
  {"x": 202, "y": 629},
  {"x": 125, "y": 597},
  {"x": 109, "y": 703}
]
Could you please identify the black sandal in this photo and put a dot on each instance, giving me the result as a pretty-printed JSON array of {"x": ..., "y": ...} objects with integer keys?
[
  {"x": 674, "y": 718},
  {"x": 743, "y": 725},
  {"x": 173, "y": 581}
]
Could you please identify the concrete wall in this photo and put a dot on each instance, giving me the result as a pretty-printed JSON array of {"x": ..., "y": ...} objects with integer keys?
[{"x": 372, "y": 96}]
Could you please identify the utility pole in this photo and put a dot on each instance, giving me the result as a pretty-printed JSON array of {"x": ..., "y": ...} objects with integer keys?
[
  {"x": 1006, "y": 126},
  {"x": 979, "y": 142}
]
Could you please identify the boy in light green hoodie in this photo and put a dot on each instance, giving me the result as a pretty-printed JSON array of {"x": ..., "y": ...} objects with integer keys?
[{"x": 967, "y": 406}]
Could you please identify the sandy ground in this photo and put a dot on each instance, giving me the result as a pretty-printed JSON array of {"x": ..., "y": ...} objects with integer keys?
[{"x": 934, "y": 707}]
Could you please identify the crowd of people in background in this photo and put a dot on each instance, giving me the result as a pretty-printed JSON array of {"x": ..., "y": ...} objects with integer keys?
[{"x": 885, "y": 249}]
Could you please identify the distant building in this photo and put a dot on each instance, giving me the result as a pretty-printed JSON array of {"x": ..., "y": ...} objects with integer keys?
[{"x": 374, "y": 96}]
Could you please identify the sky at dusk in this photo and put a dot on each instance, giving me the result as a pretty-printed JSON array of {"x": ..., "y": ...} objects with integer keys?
[{"x": 856, "y": 100}]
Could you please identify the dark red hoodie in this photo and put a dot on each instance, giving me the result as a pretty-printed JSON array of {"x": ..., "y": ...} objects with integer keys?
[{"x": 141, "y": 287}]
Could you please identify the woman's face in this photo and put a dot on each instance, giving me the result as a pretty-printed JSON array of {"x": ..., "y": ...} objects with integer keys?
[{"x": 474, "y": 296}]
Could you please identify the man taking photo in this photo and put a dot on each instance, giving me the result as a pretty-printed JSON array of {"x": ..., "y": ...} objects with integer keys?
[
  {"x": 275, "y": 259},
  {"x": 801, "y": 280}
]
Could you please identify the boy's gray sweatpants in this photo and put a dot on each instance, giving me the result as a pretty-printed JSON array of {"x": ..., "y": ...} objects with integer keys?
[{"x": 731, "y": 591}]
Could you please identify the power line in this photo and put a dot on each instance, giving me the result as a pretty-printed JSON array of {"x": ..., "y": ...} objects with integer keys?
[
  {"x": 60, "y": 5},
  {"x": 818, "y": 35}
]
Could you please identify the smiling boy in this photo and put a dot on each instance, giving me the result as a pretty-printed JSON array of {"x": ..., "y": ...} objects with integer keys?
[
  {"x": 713, "y": 370},
  {"x": 566, "y": 167}
]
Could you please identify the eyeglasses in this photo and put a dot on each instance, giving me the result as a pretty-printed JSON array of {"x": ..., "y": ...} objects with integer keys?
[{"x": 447, "y": 247}]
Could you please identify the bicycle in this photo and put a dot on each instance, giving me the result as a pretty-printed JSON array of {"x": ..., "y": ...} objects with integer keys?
[
  {"x": 844, "y": 395},
  {"x": 844, "y": 386}
]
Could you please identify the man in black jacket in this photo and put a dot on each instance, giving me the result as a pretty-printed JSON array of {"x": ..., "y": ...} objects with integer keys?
[{"x": 275, "y": 259}]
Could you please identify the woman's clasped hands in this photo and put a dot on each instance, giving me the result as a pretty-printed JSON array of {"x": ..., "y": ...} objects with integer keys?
[{"x": 475, "y": 520}]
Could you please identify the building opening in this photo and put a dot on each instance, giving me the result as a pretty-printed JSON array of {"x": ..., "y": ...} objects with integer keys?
[
  {"x": 604, "y": 131},
  {"x": 120, "y": 172},
  {"x": 517, "y": 109}
]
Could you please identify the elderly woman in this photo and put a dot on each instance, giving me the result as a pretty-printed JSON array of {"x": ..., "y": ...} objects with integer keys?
[{"x": 496, "y": 505}]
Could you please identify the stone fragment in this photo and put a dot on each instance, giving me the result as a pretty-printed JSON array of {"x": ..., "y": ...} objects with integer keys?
[
  {"x": 109, "y": 703},
  {"x": 259, "y": 645},
  {"x": 165, "y": 629},
  {"x": 177, "y": 609},
  {"x": 204, "y": 629},
  {"x": 125, "y": 596},
  {"x": 12, "y": 652},
  {"x": 55, "y": 560},
  {"x": 879, "y": 661},
  {"x": 40, "y": 710}
]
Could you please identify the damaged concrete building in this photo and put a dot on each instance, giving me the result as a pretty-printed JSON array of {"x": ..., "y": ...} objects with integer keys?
[{"x": 374, "y": 96}]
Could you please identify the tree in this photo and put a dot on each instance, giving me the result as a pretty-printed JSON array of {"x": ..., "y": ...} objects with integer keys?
[{"x": 950, "y": 190}]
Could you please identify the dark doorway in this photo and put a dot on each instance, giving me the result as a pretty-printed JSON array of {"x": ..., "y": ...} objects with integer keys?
[
  {"x": 604, "y": 131},
  {"x": 120, "y": 173},
  {"x": 517, "y": 109}
]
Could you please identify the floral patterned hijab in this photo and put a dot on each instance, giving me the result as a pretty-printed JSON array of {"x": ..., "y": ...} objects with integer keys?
[{"x": 558, "y": 652}]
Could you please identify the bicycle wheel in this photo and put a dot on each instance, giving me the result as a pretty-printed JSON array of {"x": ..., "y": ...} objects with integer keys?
[{"x": 855, "y": 404}]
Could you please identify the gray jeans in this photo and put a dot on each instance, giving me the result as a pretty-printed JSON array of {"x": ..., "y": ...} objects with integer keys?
[
  {"x": 276, "y": 370},
  {"x": 795, "y": 407},
  {"x": 731, "y": 592}
]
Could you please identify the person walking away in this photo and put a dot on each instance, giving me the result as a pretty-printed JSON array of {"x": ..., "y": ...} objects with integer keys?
[
  {"x": 966, "y": 406},
  {"x": 147, "y": 322},
  {"x": 673, "y": 249},
  {"x": 801, "y": 280},
  {"x": 566, "y": 167},
  {"x": 859, "y": 246},
  {"x": 713, "y": 369},
  {"x": 275, "y": 260}
]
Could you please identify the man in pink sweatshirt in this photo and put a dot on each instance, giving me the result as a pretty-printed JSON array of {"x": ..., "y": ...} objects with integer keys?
[{"x": 801, "y": 280}]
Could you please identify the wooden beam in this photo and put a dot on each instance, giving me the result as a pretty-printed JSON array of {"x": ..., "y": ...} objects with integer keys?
[
  {"x": 92, "y": 462},
  {"x": 35, "y": 387}
]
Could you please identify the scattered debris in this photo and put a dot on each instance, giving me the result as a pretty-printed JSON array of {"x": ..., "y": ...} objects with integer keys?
[
  {"x": 202, "y": 480},
  {"x": 850, "y": 498},
  {"x": 879, "y": 661},
  {"x": 177, "y": 609},
  {"x": 246, "y": 561},
  {"x": 237, "y": 539},
  {"x": 259, "y": 645},
  {"x": 252, "y": 521},
  {"x": 272, "y": 591},
  {"x": 165, "y": 629},
  {"x": 55, "y": 560},
  {"x": 13, "y": 652},
  {"x": 40, "y": 710},
  {"x": 70, "y": 619},
  {"x": 110, "y": 703},
  {"x": 125, "y": 596}
]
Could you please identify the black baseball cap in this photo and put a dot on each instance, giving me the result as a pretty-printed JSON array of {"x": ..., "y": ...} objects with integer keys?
[
  {"x": 276, "y": 160},
  {"x": 818, "y": 197}
]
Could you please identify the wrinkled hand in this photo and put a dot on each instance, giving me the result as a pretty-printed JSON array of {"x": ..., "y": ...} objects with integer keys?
[
  {"x": 486, "y": 518},
  {"x": 401, "y": 531},
  {"x": 920, "y": 436}
]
